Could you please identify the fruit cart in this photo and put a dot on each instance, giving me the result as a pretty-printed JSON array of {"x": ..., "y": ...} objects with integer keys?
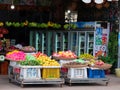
[
  {"x": 35, "y": 68},
  {"x": 35, "y": 75},
  {"x": 75, "y": 72},
  {"x": 86, "y": 75}
]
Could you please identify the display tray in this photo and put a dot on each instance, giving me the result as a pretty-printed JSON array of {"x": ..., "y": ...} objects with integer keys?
[
  {"x": 62, "y": 58},
  {"x": 11, "y": 59}
]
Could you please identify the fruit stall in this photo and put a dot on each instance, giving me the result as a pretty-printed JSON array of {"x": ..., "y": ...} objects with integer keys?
[
  {"x": 62, "y": 67},
  {"x": 82, "y": 69},
  {"x": 33, "y": 68}
]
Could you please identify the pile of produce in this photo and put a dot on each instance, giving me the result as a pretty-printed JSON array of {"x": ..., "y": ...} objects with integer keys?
[
  {"x": 39, "y": 59},
  {"x": 45, "y": 60},
  {"x": 30, "y": 60},
  {"x": 99, "y": 64},
  {"x": 16, "y": 55},
  {"x": 64, "y": 55},
  {"x": 77, "y": 63},
  {"x": 93, "y": 62},
  {"x": 86, "y": 56}
]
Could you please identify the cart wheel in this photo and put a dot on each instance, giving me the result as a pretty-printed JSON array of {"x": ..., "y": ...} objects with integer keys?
[
  {"x": 9, "y": 80},
  {"x": 22, "y": 85},
  {"x": 70, "y": 84},
  {"x": 106, "y": 83},
  {"x": 61, "y": 85}
]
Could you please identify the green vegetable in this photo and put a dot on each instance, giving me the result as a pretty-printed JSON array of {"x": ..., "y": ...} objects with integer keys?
[{"x": 30, "y": 62}]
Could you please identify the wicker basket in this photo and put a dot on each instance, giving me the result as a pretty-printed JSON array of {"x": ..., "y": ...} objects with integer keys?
[
  {"x": 75, "y": 66},
  {"x": 105, "y": 66},
  {"x": 62, "y": 58}
]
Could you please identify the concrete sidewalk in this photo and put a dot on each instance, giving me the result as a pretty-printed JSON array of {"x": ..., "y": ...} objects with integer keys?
[{"x": 114, "y": 84}]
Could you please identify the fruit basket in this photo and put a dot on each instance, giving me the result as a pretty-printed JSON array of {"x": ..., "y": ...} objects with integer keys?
[
  {"x": 63, "y": 58},
  {"x": 28, "y": 49},
  {"x": 105, "y": 66},
  {"x": 67, "y": 65}
]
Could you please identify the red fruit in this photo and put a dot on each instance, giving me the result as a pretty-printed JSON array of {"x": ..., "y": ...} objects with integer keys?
[{"x": 1, "y": 35}]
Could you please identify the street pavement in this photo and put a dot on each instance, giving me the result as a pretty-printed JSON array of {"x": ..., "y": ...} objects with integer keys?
[{"x": 114, "y": 84}]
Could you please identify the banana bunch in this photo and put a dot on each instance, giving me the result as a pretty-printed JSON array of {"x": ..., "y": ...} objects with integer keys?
[
  {"x": 32, "y": 24},
  {"x": 50, "y": 24},
  {"x": 86, "y": 56},
  {"x": 1, "y": 24},
  {"x": 8, "y": 23}
]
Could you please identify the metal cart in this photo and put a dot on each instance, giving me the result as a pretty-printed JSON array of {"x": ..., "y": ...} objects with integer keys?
[
  {"x": 87, "y": 80},
  {"x": 19, "y": 78},
  {"x": 86, "y": 75}
]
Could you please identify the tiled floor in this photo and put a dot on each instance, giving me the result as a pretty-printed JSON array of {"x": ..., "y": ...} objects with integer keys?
[{"x": 114, "y": 84}]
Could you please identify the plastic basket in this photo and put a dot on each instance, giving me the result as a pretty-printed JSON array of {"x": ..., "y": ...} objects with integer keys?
[
  {"x": 30, "y": 72},
  {"x": 77, "y": 72},
  {"x": 16, "y": 70},
  {"x": 117, "y": 72},
  {"x": 51, "y": 73},
  {"x": 96, "y": 73}
]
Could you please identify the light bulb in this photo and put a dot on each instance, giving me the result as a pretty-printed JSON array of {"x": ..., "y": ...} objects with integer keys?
[
  {"x": 69, "y": 11},
  {"x": 86, "y": 1},
  {"x": 98, "y": 1},
  {"x": 12, "y": 6}
]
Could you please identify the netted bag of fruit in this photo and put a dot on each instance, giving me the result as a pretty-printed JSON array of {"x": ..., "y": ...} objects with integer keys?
[{"x": 86, "y": 56}]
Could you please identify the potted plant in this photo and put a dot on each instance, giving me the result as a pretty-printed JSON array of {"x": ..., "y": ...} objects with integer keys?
[{"x": 113, "y": 50}]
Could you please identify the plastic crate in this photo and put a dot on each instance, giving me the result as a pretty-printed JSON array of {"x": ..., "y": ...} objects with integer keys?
[
  {"x": 64, "y": 70},
  {"x": 51, "y": 73},
  {"x": 96, "y": 73},
  {"x": 77, "y": 73},
  {"x": 16, "y": 70},
  {"x": 30, "y": 72}
]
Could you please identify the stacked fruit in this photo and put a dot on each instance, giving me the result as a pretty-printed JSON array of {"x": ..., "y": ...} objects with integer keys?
[
  {"x": 89, "y": 58},
  {"x": 16, "y": 55},
  {"x": 86, "y": 56},
  {"x": 65, "y": 54},
  {"x": 45, "y": 60},
  {"x": 30, "y": 60},
  {"x": 99, "y": 62}
]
